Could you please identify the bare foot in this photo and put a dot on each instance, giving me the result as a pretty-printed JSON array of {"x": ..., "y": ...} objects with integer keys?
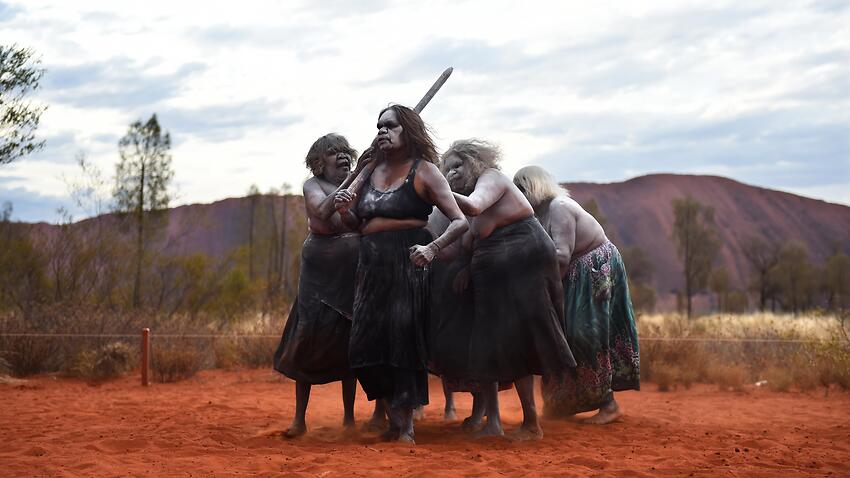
[
  {"x": 390, "y": 435},
  {"x": 606, "y": 415},
  {"x": 295, "y": 430},
  {"x": 406, "y": 438},
  {"x": 472, "y": 423},
  {"x": 489, "y": 430},
  {"x": 419, "y": 413},
  {"x": 449, "y": 415},
  {"x": 375, "y": 424},
  {"x": 349, "y": 427},
  {"x": 527, "y": 433}
]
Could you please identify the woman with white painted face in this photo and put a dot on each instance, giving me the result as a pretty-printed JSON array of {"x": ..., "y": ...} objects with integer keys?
[{"x": 387, "y": 350}]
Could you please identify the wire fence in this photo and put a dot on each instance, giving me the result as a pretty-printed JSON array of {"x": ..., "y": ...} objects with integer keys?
[{"x": 264, "y": 336}]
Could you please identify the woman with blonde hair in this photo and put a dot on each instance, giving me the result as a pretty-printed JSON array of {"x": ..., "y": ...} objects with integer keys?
[{"x": 599, "y": 320}]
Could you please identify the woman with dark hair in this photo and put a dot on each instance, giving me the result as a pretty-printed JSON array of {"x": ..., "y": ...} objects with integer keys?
[{"x": 387, "y": 349}]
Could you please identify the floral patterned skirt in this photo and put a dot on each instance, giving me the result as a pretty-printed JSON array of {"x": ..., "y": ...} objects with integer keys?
[{"x": 600, "y": 328}]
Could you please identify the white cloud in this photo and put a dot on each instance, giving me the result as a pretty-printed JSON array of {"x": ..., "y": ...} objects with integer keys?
[{"x": 591, "y": 92}]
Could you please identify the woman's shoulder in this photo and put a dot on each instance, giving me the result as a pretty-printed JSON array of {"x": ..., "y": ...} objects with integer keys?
[{"x": 423, "y": 166}]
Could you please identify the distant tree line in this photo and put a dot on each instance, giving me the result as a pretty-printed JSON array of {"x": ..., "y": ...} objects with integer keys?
[
  {"x": 122, "y": 260},
  {"x": 782, "y": 276}
]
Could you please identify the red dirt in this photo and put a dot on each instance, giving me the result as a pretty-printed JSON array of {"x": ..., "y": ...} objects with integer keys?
[{"x": 229, "y": 423}]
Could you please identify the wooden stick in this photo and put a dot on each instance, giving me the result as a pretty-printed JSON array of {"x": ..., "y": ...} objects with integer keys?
[
  {"x": 364, "y": 175},
  {"x": 146, "y": 356}
]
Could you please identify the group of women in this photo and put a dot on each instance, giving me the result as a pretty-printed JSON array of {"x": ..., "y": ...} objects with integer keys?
[{"x": 501, "y": 281}]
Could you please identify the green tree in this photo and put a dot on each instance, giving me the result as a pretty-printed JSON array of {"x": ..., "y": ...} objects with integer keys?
[
  {"x": 23, "y": 283},
  {"x": 837, "y": 280},
  {"x": 696, "y": 243},
  {"x": 762, "y": 257},
  {"x": 253, "y": 199},
  {"x": 795, "y": 277},
  {"x": 142, "y": 179},
  {"x": 719, "y": 283},
  {"x": 640, "y": 270},
  {"x": 19, "y": 118}
]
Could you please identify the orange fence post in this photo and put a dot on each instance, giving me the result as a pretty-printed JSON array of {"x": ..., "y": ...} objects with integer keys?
[{"x": 146, "y": 355}]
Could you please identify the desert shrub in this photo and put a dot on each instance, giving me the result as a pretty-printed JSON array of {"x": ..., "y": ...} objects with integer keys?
[
  {"x": 108, "y": 361},
  {"x": 225, "y": 353},
  {"x": 172, "y": 363},
  {"x": 30, "y": 355},
  {"x": 666, "y": 376},
  {"x": 729, "y": 376},
  {"x": 832, "y": 362},
  {"x": 256, "y": 352},
  {"x": 779, "y": 379},
  {"x": 688, "y": 377},
  {"x": 250, "y": 352},
  {"x": 690, "y": 359}
]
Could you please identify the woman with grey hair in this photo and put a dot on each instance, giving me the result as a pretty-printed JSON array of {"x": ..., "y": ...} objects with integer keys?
[
  {"x": 600, "y": 322},
  {"x": 515, "y": 331}
]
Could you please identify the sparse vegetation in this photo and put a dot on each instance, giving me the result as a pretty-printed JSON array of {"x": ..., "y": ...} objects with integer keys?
[
  {"x": 786, "y": 352},
  {"x": 173, "y": 362},
  {"x": 109, "y": 361}
]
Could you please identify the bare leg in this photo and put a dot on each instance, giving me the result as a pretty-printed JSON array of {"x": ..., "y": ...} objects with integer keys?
[
  {"x": 299, "y": 423},
  {"x": 608, "y": 413},
  {"x": 449, "y": 413},
  {"x": 349, "y": 388},
  {"x": 406, "y": 432},
  {"x": 530, "y": 428},
  {"x": 490, "y": 393},
  {"x": 396, "y": 420},
  {"x": 378, "y": 422},
  {"x": 475, "y": 419}
]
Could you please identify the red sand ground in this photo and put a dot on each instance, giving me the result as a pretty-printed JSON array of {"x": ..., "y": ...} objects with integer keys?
[{"x": 229, "y": 423}]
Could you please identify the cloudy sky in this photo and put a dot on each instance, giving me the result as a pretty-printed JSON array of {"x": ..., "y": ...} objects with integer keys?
[{"x": 758, "y": 91}]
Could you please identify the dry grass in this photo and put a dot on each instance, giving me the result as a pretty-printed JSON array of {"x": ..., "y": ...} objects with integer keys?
[
  {"x": 172, "y": 363},
  {"x": 801, "y": 352},
  {"x": 250, "y": 343},
  {"x": 109, "y": 361}
]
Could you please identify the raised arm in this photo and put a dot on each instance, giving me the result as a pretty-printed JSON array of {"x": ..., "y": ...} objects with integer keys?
[
  {"x": 344, "y": 198},
  {"x": 489, "y": 189},
  {"x": 325, "y": 208},
  {"x": 437, "y": 191},
  {"x": 563, "y": 229}
]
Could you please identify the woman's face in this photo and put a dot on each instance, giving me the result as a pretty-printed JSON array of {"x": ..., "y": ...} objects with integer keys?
[
  {"x": 337, "y": 165},
  {"x": 459, "y": 175},
  {"x": 389, "y": 132},
  {"x": 455, "y": 170}
]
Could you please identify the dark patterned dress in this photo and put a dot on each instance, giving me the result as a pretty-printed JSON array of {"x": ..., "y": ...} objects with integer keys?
[
  {"x": 387, "y": 350},
  {"x": 600, "y": 327},
  {"x": 314, "y": 345}
]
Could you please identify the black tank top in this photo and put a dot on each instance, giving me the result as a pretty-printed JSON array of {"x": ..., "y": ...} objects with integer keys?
[{"x": 400, "y": 203}]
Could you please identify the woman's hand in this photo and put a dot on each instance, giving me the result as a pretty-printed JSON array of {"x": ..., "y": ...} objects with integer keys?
[
  {"x": 364, "y": 160},
  {"x": 343, "y": 200},
  {"x": 461, "y": 281},
  {"x": 423, "y": 255}
]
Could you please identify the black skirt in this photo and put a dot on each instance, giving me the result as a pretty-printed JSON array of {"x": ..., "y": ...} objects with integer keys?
[
  {"x": 519, "y": 306},
  {"x": 451, "y": 320},
  {"x": 314, "y": 345},
  {"x": 387, "y": 349}
]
